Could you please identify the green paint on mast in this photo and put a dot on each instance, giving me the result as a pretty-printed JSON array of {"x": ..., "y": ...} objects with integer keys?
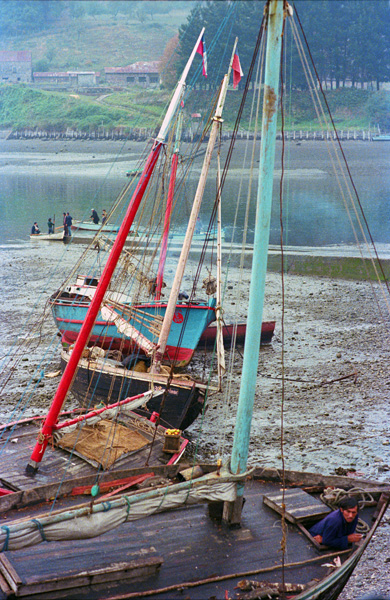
[{"x": 263, "y": 217}]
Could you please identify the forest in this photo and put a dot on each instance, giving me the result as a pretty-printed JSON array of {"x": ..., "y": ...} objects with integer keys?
[{"x": 348, "y": 40}]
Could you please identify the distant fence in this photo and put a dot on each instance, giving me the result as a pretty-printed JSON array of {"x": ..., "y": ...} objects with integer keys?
[{"x": 142, "y": 134}]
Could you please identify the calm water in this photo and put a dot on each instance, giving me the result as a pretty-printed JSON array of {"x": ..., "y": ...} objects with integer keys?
[{"x": 314, "y": 214}]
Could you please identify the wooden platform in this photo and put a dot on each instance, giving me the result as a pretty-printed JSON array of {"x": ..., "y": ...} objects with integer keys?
[
  {"x": 300, "y": 506},
  {"x": 60, "y": 585}
]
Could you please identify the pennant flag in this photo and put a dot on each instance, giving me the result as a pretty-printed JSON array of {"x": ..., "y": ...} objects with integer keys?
[
  {"x": 202, "y": 51},
  {"x": 237, "y": 71}
]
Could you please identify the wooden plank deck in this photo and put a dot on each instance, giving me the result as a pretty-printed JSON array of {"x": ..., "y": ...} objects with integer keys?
[
  {"x": 58, "y": 464},
  {"x": 191, "y": 544}
]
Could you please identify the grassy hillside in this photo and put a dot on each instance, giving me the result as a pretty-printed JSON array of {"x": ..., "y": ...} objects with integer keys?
[
  {"x": 98, "y": 41},
  {"x": 24, "y": 107},
  {"x": 94, "y": 41}
]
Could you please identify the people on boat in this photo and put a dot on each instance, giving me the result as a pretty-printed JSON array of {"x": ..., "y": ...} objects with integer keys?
[
  {"x": 50, "y": 226},
  {"x": 198, "y": 226},
  {"x": 64, "y": 224},
  {"x": 94, "y": 216},
  {"x": 104, "y": 216},
  {"x": 337, "y": 529},
  {"x": 68, "y": 223},
  {"x": 35, "y": 229}
]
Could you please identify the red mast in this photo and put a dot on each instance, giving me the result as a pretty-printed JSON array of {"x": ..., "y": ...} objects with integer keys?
[{"x": 85, "y": 331}]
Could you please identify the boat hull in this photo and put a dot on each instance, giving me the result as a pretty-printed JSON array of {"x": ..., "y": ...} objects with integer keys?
[
  {"x": 209, "y": 335},
  {"x": 59, "y": 236},
  {"x": 189, "y": 322},
  {"x": 108, "y": 383},
  {"x": 106, "y": 228}
]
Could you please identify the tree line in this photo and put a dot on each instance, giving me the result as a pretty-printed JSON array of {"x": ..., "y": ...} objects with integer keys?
[{"x": 348, "y": 40}]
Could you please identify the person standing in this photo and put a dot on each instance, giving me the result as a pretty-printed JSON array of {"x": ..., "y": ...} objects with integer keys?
[
  {"x": 68, "y": 223},
  {"x": 50, "y": 226},
  {"x": 64, "y": 224},
  {"x": 94, "y": 216},
  {"x": 104, "y": 216}
]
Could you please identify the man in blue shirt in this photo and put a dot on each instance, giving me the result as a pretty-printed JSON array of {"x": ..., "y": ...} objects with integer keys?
[{"x": 338, "y": 528}]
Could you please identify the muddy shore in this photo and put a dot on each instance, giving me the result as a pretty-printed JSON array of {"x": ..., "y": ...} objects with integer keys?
[{"x": 334, "y": 362}]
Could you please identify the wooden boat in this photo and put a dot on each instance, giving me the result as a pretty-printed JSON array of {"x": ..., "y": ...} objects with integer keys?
[
  {"x": 236, "y": 331},
  {"x": 70, "y": 307},
  {"x": 50, "y": 237},
  {"x": 99, "y": 378},
  {"x": 162, "y": 554},
  {"x": 94, "y": 227},
  {"x": 236, "y": 530}
]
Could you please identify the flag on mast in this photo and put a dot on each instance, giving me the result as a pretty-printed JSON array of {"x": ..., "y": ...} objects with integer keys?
[
  {"x": 202, "y": 51},
  {"x": 237, "y": 71}
]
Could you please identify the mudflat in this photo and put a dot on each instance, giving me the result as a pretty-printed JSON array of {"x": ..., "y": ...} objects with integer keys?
[{"x": 326, "y": 368}]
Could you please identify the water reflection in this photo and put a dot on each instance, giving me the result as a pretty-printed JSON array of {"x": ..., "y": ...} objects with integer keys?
[{"x": 313, "y": 210}]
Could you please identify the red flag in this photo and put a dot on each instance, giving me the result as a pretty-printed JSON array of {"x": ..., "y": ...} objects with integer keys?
[
  {"x": 202, "y": 51},
  {"x": 237, "y": 71}
]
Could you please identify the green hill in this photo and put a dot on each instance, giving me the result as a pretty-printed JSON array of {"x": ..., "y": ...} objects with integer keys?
[
  {"x": 93, "y": 35},
  {"x": 91, "y": 41},
  {"x": 21, "y": 106}
]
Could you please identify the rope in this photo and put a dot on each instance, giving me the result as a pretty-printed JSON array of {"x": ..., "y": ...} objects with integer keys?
[
  {"x": 332, "y": 497},
  {"x": 40, "y": 528},
  {"x": 128, "y": 506},
  {"x": 6, "y": 541}
]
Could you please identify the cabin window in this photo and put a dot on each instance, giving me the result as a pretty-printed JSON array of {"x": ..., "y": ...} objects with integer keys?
[
  {"x": 141, "y": 79},
  {"x": 91, "y": 281},
  {"x": 130, "y": 79}
]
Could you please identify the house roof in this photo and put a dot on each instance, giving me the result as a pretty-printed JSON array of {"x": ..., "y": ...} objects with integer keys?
[
  {"x": 15, "y": 56},
  {"x": 136, "y": 68}
]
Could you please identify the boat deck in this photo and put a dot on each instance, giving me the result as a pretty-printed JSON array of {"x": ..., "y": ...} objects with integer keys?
[
  {"x": 184, "y": 552},
  {"x": 189, "y": 545},
  {"x": 58, "y": 464}
]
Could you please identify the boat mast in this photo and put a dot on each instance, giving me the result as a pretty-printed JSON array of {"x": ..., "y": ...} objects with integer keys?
[
  {"x": 260, "y": 250},
  {"x": 168, "y": 210},
  {"x": 171, "y": 305},
  {"x": 218, "y": 308},
  {"x": 85, "y": 331}
]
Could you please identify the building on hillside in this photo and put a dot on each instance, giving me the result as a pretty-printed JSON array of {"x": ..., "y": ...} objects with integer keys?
[
  {"x": 142, "y": 74},
  {"x": 15, "y": 66},
  {"x": 67, "y": 78},
  {"x": 52, "y": 78},
  {"x": 83, "y": 78}
]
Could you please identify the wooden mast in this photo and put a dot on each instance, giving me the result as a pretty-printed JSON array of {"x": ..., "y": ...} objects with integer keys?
[
  {"x": 168, "y": 210},
  {"x": 218, "y": 308},
  {"x": 82, "y": 339},
  {"x": 260, "y": 252},
  {"x": 171, "y": 305}
]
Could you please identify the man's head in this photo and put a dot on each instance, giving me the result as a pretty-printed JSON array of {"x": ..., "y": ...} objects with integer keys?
[{"x": 349, "y": 508}]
